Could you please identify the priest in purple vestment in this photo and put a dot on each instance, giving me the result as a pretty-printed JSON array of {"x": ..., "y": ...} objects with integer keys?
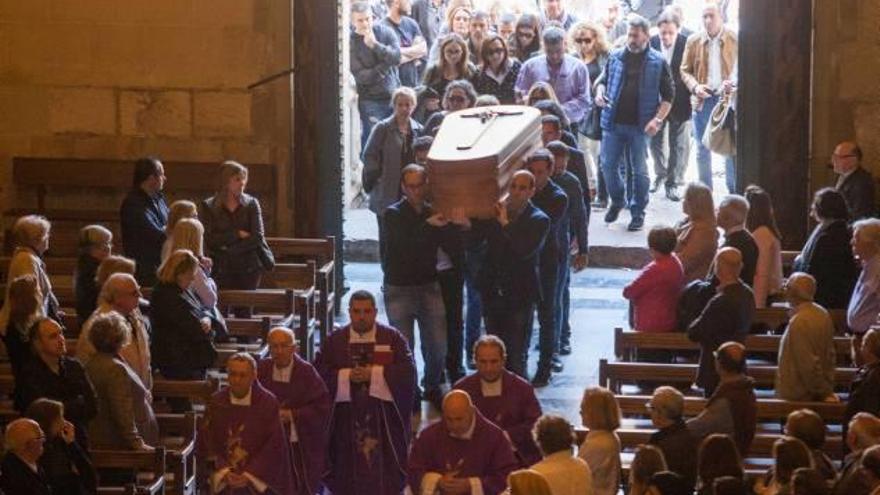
[
  {"x": 503, "y": 397},
  {"x": 305, "y": 407},
  {"x": 371, "y": 376},
  {"x": 464, "y": 453},
  {"x": 242, "y": 436}
]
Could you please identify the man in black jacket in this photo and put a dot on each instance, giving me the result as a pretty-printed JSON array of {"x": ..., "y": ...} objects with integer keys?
[
  {"x": 732, "y": 213},
  {"x": 673, "y": 139},
  {"x": 375, "y": 55},
  {"x": 143, "y": 216},
  {"x": 673, "y": 436},
  {"x": 727, "y": 317},
  {"x": 20, "y": 472},
  {"x": 854, "y": 182}
]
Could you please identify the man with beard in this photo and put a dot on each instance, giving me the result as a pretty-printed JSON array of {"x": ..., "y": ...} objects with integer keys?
[
  {"x": 413, "y": 47},
  {"x": 636, "y": 90}
]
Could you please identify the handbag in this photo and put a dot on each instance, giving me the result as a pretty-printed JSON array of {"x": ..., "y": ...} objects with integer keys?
[
  {"x": 720, "y": 133},
  {"x": 591, "y": 126}
]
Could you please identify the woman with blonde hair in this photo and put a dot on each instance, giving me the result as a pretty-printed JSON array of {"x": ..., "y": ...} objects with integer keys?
[
  {"x": 178, "y": 210},
  {"x": 113, "y": 264},
  {"x": 648, "y": 460},
  {"x": 600, "y": 413},
  {"x": 452, "y": 63},
  {"x": 95, "y": 245},
  {"x": 527, "y": 482},
  {"x": 697, "y": 233},
  {"x": 188, "y": 234},
  {"x": 30, "y": 235},
  {"x": 234, "y": 234}
]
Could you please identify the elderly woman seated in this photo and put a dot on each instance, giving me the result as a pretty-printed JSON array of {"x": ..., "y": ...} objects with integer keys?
[
  {"x": 31, "y": 237},
  {"x": 125, "y": 418},
  {"x": 654, "y": 293}
]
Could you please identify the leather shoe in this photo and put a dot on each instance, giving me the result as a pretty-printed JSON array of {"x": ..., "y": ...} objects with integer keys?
[
  {"x": 564, "y": 349},
  {"x": 656, "y": 185},
  {"x": 541, "y": 378},
  {"x": 556, "y": 365},
  {"x": 672, "y": 194},
  {"x": 612, "y": 213},
  {"x": 636, "y": 224}
]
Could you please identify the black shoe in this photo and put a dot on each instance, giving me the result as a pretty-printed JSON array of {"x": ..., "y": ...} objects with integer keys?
[
  {"x": 564, "y": 349},
  {"x": 636, "y": 224},
  {"x": 612, "y": 214},
  {"x": 542, "y": 378},
  {"x": 599, "y": 204},
  {"x": 672, "y": 193},
  {"x": 656, "y": 185},
  {"x": 556, "y": 365}
]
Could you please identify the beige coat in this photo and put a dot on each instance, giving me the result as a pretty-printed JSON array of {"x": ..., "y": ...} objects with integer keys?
[
  {"x": 25, "y": 262},
  {"x": 695, "y": 62},
  {"x": 697, "y": 243}
]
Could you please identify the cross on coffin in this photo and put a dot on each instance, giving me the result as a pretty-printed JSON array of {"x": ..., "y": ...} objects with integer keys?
[{"x": 487, "y": 118}]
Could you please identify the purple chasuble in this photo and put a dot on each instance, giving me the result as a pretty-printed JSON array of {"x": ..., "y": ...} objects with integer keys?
[
  {"x": 487, "y": 455},
  {"x": 248, "y": 439},
  {"x": 514, "y": 411},
  {"x": 307, "y": 395},
  {"x": 369, "y": 437}
]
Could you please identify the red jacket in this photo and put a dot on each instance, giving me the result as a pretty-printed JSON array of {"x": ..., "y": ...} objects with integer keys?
[{"x": 654, "y": 295}]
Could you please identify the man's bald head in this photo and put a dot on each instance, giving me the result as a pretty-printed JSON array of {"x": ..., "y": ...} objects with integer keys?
[
  {"x": 800, "y": 288},
  {"x": 863, "y": 431},
  {"x": 25, "y": 438},
  {"x": 847, "y": 156},
  {"x": 282, "y": 346},
  {"x": 730, "y": 358},
  {"x": 458, "y": 412},
  {"x": 728, "y": 264}
]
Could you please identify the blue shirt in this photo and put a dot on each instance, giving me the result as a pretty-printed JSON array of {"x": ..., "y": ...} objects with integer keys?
[
  {"x": 407, "y": 32},
  {"x": 571, "y": 82},
  {"x": 864, "y": 305}
]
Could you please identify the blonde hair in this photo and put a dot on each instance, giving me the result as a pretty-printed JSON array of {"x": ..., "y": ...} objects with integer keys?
[
  {"x": 179, "y": 210},
  {"x": 528, "y": 482},
  {"x": 228, "y": 170},
  {"x": 699, "y": 201},
  {"x": 188, "y": 234},
  {"x": 113, "y": 264},
  {"x": 600, "y": 409},
  {"x": 179, "y": 262},
  {"x": 30, "y": 229},
  {"x": 600, "y": 42}
]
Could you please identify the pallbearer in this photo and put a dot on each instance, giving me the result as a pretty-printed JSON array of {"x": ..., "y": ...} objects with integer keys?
[
  {"x": 371, "y": 376},
  {"x": 463, "y": 453},
  {"x": 242, "y": 436},
  {"x": 305, "y": 407}
]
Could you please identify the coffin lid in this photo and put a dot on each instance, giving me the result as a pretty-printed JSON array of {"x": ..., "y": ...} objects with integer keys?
[{"x": 464, "y": 138}]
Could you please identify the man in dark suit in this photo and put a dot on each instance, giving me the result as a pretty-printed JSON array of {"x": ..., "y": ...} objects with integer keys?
[
  {"x": 20, "y": 472},
  {"x": 508, "y": 280},
  {"x": 143, "y": 216},
  {"x": 732, "y": 213},
  {"x": 671, "y": 145},
  {"x": 727, "y": 317},
  {"x": 853, "y": 181}
]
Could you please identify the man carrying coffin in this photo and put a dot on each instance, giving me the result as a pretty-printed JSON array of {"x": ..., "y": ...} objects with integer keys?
[
  {"x": 305, "y": 407},
  {"x": 503, "y": 398},
  {"x": 463, "y": 453},
  {"x": 242, "y": 435},
  {"x": 370, "y": 373}
]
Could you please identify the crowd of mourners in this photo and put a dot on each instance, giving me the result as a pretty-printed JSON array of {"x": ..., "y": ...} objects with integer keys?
[{"x": 344, "y": 424}]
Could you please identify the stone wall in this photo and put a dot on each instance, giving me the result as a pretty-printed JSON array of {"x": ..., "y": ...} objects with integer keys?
[
  {"x": 846, "y": 83},
  {"x": 118, "y": 79}
]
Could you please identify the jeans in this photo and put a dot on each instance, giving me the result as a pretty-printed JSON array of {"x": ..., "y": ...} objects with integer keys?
[
  {"x": 371, "y": 112},
  {"x": 704, "y": 155},
  {"x": 670, "y": 149},
  {"x": 452, "y": 287},
  {"x": 510, "y": 321},
  {"x": 614, "y": 144},
  {"x": 404, "y": 307}
]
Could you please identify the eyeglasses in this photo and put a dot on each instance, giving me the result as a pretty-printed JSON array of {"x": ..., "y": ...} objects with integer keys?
[
  {"x": 583, "y": 41},
  {"x": 456, "y": 99}
]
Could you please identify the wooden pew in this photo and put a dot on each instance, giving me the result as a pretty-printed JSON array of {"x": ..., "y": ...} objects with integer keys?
[
  {"x": 200, "y": 391},
  {"x": 180, "y": 454},
  {"x": 775, "y": 410},
  {"x": 776, "y": 317},
  {"x": 788, "y": 261},
  {"x": 300, "y": 277},
  {"x": 148, "y": 466},
  {"x": 627, "y": 342},
  {"x": 612, "y": 375}
]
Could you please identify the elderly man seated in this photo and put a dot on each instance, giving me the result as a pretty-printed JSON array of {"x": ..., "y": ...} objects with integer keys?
[
  {"x": 806, "y": 353},
  {"x": 863, "y": 431},
  {"x": 673, "y": 437},
  {"x": 20, "y": 472}
]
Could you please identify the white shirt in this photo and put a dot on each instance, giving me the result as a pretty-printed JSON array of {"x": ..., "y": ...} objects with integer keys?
[
  {"x": 601, "y": 451},
  {"x": 491, "y": 389},
  {"x": 768, "y": 271},
  {"x": 566, "y": 474},
  {"x": 378, "y": 386},
  {"x": 667, "y": 52},
  {"x": 713, "y": 77}
]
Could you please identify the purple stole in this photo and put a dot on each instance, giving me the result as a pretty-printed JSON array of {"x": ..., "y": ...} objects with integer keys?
[
  {"x": 514, "y": 411},
  {"x": 368, "y": 437},
  {"x": 247, "y": 439},
  {"x": 307, "y": 394}
]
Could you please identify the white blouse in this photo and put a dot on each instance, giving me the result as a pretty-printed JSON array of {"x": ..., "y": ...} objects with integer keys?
[
  {"x": 601, "y": 451},
  {"x": 768, "y": 272}
]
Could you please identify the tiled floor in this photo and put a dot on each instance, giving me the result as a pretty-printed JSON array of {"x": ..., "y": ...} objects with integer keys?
[{"x": 597, "y": 307}]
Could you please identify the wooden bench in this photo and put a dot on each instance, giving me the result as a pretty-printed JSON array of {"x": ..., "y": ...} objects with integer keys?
[
  {"x": 776, "y": 410},
  {"x": 200, "y": 391},
  {"x": 178, "y": 433},
  {"x": 788, "y": 261},
  {"x": 613, "y": 375},
  {"x": 300, "y": 277},
  {"x": 149, "y": 468},
  {"x": 628, "y": 342},
  {"x": 775, "y": 318}
]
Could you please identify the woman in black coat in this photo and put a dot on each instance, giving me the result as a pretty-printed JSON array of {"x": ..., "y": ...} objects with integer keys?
[
  {"x": 827, "y": 255},
  {"x": 182, "y": 345}
]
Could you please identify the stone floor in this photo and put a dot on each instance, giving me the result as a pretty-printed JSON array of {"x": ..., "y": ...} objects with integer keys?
[{"x": 597, "y": 307}]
